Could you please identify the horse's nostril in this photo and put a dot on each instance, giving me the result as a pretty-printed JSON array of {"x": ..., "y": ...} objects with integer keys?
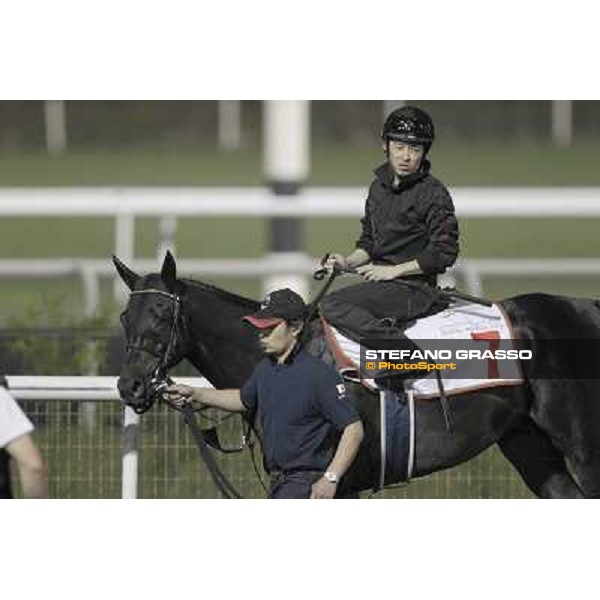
[{"x": 131, "y": 387}]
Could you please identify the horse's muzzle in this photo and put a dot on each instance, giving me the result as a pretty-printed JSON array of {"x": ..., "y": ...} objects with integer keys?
[{"x": 136, "y": 393}]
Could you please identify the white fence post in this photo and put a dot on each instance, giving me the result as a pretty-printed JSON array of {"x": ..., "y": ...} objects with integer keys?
[
  {"x": 56, "y": 126},
  {"x": 124, "y": 250},
  {"x": 229, "y": 125},
  {"x": 167, "y": 230},
  {"x": 286, "y": 163},
  {"x": 562, "y": 122},
  {"x": 129, "y": 482},
  {"x": 390, "y": 105}
]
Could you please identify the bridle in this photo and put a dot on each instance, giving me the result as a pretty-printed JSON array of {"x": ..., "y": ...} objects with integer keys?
[{"x": 160, "y": 380}]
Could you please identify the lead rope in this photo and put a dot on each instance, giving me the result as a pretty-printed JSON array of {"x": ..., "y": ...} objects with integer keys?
[{"x": 224, "y": 486}]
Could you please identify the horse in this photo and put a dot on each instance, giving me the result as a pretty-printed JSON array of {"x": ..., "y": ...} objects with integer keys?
[{"x": 547, "y": 428}]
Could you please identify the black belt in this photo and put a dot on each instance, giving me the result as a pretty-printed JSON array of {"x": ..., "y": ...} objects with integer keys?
[{"x": 275, "y": 475}]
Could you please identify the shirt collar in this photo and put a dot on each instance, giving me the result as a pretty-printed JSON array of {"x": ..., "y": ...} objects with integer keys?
[{"x": 290, "y": 358}]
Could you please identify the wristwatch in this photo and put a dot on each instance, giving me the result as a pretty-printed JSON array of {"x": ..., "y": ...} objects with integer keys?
[{"x": 331, "y": 477}]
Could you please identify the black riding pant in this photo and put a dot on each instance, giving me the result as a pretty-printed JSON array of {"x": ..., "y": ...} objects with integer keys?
[
  {"x": 357, "y": 310},
  {"x": 289, "y": 485}
]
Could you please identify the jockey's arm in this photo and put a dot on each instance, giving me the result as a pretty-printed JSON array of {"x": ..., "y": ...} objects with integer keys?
[
  {"x": 357, "y": 258},
  {"x": 388, "y": 272},
  {"x": 229, "y": 400},
  {"x": 410, "y": 267}
]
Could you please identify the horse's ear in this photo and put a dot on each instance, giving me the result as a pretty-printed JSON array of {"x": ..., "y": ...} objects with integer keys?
[
  {"x": 168, "y": 272},
  {"x": 127, "y": 275}
]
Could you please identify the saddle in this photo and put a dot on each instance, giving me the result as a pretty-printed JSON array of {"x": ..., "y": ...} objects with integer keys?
[{"x": 461, "y": 322}]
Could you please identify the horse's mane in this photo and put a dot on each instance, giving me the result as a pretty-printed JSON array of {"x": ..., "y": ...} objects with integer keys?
[{"x": 235, "y": 298}]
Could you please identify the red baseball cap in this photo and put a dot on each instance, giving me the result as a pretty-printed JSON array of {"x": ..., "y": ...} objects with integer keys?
[{"x": 280, "y": 305}]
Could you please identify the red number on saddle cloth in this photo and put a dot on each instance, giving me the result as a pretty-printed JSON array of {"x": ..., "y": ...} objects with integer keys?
[{"x": 493, "y": 339}]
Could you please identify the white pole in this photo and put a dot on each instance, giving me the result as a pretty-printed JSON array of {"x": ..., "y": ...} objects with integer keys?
[
  {"x": 124, "y": 250},
  {"x": 167, "y": 229},
  {"x": 562, "y": 122},
  {"x": 91, "y": 303},
  {"x": 286, "y": 140},
  {"x": 390, "y": 105},
  {"x": 56, "y": 126},
  {"x": 229, "y": 125},
  {"x": 286, "y": 131},
  {"x": 91, "y": 291},
  {"x": 129, "y": 481}
]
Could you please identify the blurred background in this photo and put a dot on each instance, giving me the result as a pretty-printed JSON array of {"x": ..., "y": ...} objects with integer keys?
[{"x": 59, "y": 306}]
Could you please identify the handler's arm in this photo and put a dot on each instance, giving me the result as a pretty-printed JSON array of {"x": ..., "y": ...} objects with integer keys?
[
  {"x": 344, "y": 456},
  {"x": 347, "y": 448},
  {"x": 179, "y": 394}
]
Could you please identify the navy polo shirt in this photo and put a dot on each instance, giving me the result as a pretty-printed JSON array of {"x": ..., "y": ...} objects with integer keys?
[{"x": 302, "y": 408}]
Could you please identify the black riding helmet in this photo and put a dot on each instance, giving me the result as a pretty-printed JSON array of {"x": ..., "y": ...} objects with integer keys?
[{"x": 409, "y": 124}]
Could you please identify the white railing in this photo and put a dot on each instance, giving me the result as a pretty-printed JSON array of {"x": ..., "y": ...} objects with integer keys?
[
  {"x": 124, "y": 204},
  {"x": 92, "y": 389},
  {"x": 471, "y": 270},
  {"x": 260, "y": 202},
  {"x": 127, "y": 203}
]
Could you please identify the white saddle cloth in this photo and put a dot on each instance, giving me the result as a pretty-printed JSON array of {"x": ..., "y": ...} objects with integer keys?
[{"x": 456, "y": 323}]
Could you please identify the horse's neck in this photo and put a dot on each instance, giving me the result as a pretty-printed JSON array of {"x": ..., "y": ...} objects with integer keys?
[{"x": 223, "y": 349}]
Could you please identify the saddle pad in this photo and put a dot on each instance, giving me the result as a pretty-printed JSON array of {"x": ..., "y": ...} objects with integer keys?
[{"x": 459, "y": 322}]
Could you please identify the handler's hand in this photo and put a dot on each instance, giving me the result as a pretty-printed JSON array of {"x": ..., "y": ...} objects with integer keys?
[
  {"x": 178, "y": 394},
  {"x": 335, "y": 260},
  {"x": 323, "y": 490},
  {"x": 372, "y": 272}
]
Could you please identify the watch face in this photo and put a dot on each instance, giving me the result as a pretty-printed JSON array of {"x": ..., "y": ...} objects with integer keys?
[{"x": 332, "y": 477}]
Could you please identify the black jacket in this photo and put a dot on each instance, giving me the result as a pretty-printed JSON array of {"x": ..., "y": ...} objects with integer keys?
[{"x": 413, "y": 221}]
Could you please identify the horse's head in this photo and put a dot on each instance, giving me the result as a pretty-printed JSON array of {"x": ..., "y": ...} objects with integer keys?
[{"x": 154, "y": 332}]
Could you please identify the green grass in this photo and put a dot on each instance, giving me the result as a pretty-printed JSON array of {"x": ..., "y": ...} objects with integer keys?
[{"x": 496, "y": 163}]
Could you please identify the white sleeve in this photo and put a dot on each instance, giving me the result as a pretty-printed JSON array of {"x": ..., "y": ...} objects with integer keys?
[{"x": 13, "y": 421}]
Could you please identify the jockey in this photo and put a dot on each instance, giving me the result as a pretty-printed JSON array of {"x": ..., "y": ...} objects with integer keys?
[{"x": 409, "y": 235}]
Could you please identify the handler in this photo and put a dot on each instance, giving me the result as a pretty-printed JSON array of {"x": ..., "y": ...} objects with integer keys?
[
  {"x": 409, "y": 234},
  {"x": 311, "y": 431}
]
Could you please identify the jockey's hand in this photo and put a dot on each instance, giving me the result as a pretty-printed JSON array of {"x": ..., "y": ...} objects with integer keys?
[
  {"x": 178, "y": 395},
  {"x": 334, "y": 260},
  {"x": 322, "y": 489},
  {"x": 372, "y": 272}
]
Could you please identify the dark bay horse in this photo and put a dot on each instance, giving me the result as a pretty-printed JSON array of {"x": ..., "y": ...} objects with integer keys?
[{"x": 549, "y": 429}]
